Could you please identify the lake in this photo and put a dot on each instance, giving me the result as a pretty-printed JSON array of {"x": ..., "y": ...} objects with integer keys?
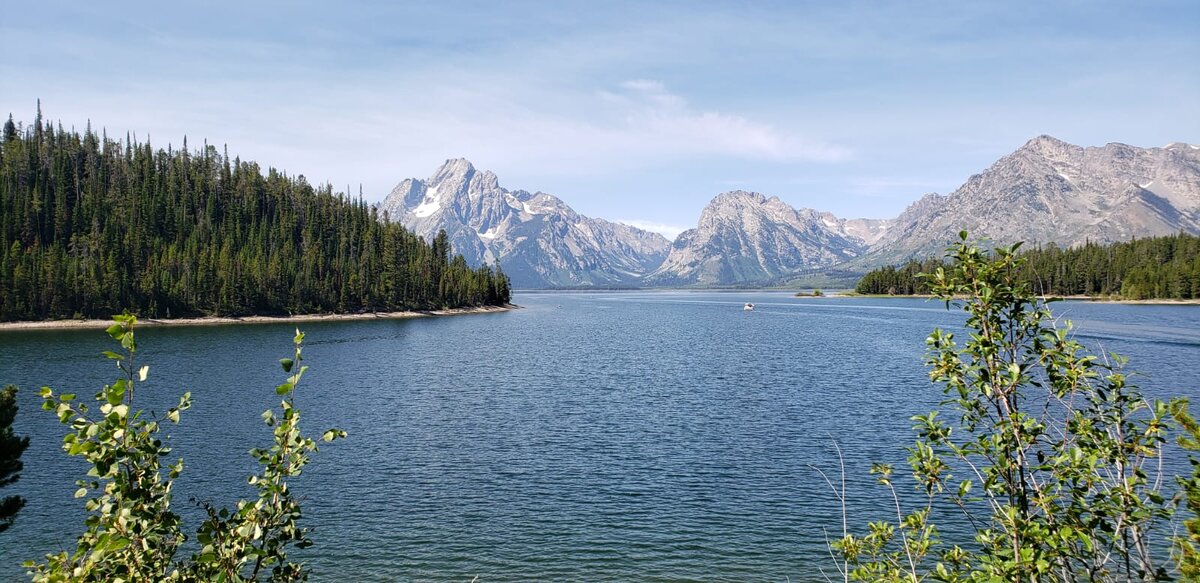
[{"x": 652, "y": 436}]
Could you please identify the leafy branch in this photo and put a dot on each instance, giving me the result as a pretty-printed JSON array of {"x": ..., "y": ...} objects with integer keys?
[{"x": 131, "y": 532}]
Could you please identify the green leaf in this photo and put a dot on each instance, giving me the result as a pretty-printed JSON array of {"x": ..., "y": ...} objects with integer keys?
[
  {"x": 286, "y": 363},
  {"x": 116, "y": 392},
  {"x": 284, "y": 389}
]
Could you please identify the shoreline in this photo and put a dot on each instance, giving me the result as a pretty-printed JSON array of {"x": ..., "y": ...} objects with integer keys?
[
  {"x": 1093, "y": 299},
  {"x": 223, "y": 320}
]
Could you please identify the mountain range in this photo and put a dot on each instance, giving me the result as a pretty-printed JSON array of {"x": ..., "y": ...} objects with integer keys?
[
  {"x": 538, "y": 240},
  {"x": 1047, "y": 191}
]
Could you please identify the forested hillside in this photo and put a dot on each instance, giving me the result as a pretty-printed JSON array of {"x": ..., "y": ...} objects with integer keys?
[
  {"x": 90, "y": 226},
  {"x": 1153, "y": 268}
]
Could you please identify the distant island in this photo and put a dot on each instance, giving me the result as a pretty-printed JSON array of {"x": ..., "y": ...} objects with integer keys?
[{"x": 91, "y": 226}]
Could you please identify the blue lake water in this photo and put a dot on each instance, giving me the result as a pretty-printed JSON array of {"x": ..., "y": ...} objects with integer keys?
[{"x": 652, "y": 436}]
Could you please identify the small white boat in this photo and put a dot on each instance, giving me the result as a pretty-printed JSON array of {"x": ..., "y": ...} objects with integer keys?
[{"x": 749, "y": 307}]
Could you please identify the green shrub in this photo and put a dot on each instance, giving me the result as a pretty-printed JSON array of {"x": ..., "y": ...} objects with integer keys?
[
  {"x": 1058, "y": 453},
  {"x": 132, "y": 533}
]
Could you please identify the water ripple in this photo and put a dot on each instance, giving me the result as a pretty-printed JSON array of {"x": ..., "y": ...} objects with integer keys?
[{"x": 609, "y": 436}]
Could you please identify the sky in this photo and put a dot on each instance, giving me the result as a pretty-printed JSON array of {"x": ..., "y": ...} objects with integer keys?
[{"x": 634, "y": 111}]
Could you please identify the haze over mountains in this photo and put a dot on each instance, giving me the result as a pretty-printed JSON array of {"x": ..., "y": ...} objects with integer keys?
[{"x": 1046, "y": 191}]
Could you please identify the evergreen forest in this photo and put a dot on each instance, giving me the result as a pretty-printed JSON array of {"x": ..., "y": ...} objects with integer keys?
[
  {"x": 91, "y": 226},
  {"x": 1152, "y": 268}
]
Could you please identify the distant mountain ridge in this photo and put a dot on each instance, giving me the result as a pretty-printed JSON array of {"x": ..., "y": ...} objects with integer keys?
[
  {"x": 1045, "y": 191},
  {"x": 746, "y": 237},
  {"x": 538, "y": 240},
  {"x": 1052, "y": 191}
]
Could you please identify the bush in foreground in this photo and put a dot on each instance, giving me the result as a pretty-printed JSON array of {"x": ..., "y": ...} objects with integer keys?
[
  {"x": 132, "y": 533},
  {"x": 1058, "y": 455}
]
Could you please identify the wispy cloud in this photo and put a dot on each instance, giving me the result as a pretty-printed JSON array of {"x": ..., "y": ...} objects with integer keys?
[
  {"x": 655, "y": 119},
  {"x": 622, "y": 105}
]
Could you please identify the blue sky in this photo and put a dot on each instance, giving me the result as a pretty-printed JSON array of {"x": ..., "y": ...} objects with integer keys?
[{"x": 638, "y": 111}]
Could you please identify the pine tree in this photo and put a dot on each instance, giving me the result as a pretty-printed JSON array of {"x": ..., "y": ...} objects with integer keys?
[
  {"x": 91, "y": 226},
  {"x": 11, "y": 448}
]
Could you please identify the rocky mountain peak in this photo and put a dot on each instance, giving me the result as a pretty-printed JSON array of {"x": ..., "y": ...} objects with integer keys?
[
  {"x": 739, "y": 204},
  {"x": 1041, "y": 150},
  {"x": 538, "y": 239},
  {"x": 1051, "y": 191},
  {"x": 747, "y": 237},
  {"x": 734, "y": 197},
  {"x": 1181, "y": 146},
  {"x": 1046, "y": 142},
  {"x": 454, "y": 170}
]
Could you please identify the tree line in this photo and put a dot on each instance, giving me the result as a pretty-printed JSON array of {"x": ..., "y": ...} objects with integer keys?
[
  {"x": 91, "y": 226},
  {"x": 1153, "y": 268}
]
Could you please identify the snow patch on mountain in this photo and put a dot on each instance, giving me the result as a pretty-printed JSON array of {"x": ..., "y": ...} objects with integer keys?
[{"x": 429, "y": 205}]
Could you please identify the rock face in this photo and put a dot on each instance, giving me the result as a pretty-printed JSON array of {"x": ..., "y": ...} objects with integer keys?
[
  {"x": 538, "y": 240},
  {"x": 1046, "y": 191},
  {"x": 745, "y": 237},
  {"x": 1051, "y": 191}
]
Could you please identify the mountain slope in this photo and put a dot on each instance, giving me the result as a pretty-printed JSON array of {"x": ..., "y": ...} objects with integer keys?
[
  {"x": 746, "y": 237},
  {"x": 1052, "y": 191},
  {"x": 538, "y": 240}
]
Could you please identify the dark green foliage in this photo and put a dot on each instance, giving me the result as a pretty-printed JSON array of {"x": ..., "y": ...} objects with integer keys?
[
  {"x": 90, "y": 226},
  {"x": 1155, "y": 268},
  {"x": 902, "y": 281},
  {"x": 11, "y": 448}
]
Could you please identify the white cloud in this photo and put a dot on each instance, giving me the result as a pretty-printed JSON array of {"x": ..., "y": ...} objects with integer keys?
[
  {"x": 654, "y": 119},
  {"x": 579, "y": 99},
  {"x": 518, "y": 127},
  {"x": 668, "y": 231},
  {"x": 379, "y": 132}
]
